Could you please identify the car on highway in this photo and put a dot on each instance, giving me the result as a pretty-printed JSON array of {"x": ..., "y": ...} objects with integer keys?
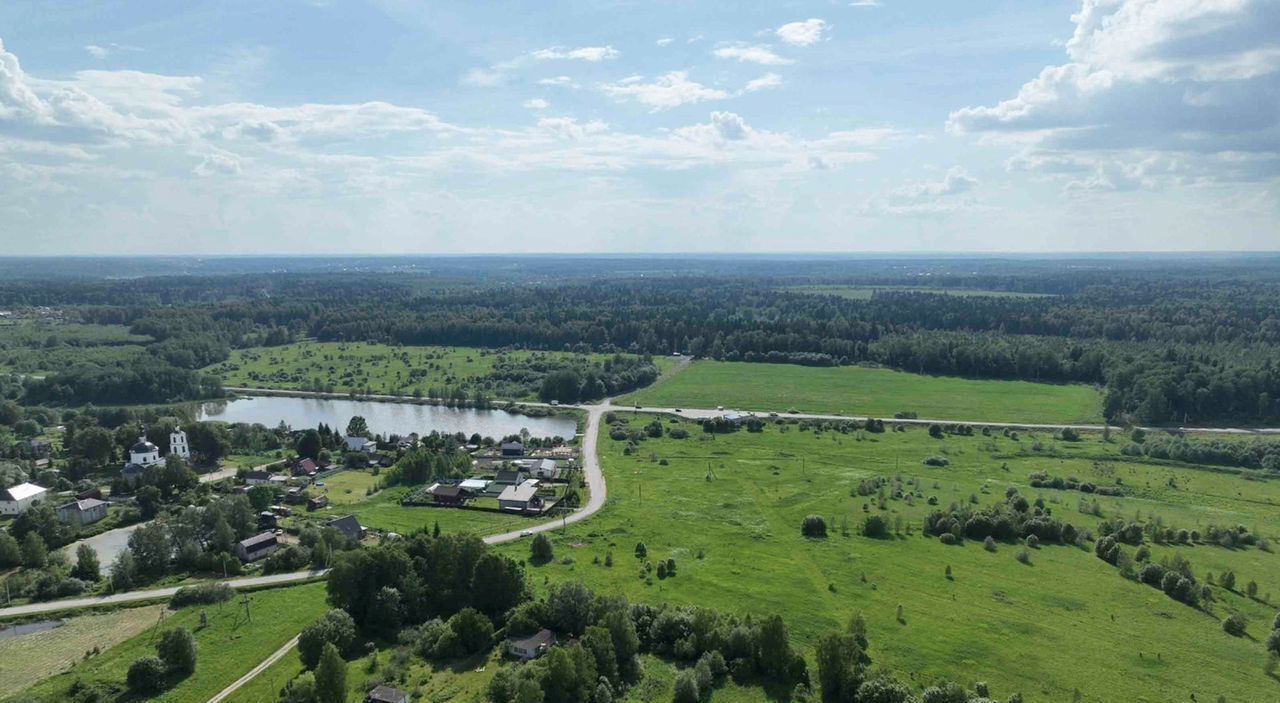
[{"x": 526, "y": 533}]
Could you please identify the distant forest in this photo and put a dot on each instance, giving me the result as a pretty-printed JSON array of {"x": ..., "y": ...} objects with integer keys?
[{"x": 1171, "y": 339}]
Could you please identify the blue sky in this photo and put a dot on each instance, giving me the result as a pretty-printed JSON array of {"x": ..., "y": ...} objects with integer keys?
[{"x": 398, "y": 126}]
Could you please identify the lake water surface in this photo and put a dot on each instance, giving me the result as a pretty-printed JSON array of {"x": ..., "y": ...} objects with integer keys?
[{"x": 383, "y": 417}]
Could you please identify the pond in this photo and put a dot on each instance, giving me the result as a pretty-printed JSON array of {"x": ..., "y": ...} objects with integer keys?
[
  {"x": 383, "y": 417},
  {"x": 29, "y": 628}
]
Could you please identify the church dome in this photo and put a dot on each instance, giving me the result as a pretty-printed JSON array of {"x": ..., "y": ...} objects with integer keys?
[{"x": 143, "y": 447}]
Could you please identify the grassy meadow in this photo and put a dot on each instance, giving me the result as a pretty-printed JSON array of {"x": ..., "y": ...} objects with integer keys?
[
  {"x": 229, "y": 646},
  {"x": 728, "y": 509},
  {"x": 379, "y": 368},
  {"x": 855, "y": 390}
]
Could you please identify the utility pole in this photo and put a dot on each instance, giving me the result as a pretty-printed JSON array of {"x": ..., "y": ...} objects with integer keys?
[{"x": 245, "y": 601}]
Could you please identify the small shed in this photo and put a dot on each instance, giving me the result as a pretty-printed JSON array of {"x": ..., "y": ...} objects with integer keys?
[{"x": 531, "y": 647}]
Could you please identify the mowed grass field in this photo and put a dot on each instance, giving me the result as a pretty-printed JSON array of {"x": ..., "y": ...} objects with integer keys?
[
  {"x": 376, "y": 368},
  {"x": 728, "y": 509},
  {"x": 855, "y": 390},
  {"x": 26, "y": 659},
  {"x": 230, "y": 646}
]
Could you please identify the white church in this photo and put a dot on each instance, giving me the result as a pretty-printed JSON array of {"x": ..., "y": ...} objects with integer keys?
[{"x": 146, "y": 453}]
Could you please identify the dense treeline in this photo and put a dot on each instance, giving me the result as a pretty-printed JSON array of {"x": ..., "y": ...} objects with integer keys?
[{"x": 1172, "y": 340}]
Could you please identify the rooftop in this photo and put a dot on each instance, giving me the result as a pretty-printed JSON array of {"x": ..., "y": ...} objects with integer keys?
[{"x": 22, "y": 491}]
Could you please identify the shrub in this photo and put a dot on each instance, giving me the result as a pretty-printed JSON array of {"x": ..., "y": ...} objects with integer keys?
[
  {"x": 989, "y": 544},
  {"x": 936, "y": 461},
  {"x": 814, "y": 526},
  {"x": 177, "y": 649},
  {"x": 146, "y": 675},
  {"x": 686, "y": 690},
  {"x": 540, "y": 550},
  {"x": 948, "y": 538},
  {"x": 875, "y": 526},
  {"x": 1024, "y": 556},
  {"x": 1033, "y": 541},
  {"x": 1235, "y": 625},
  {"x": 203, "y": 594}
]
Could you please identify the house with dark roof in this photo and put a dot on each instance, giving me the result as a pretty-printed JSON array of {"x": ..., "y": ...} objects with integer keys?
[
  {"x": 82, "y": 512},
  {"x": 512, "y": 449},
  {"x": 452, "y": 496},
  {"x": 386, "y": 694},
  {"x": 132, "y": 473},
  {"x": 257, "y": 547},
  {"x": 257, "y": 478},
  {"x": 349, "y": 526},
  {"x": 318, "y": 502},
  {"x": 532, "y": 646},
  {"x": 510, "y": 476},
  {"x": 304, "y": 467}
]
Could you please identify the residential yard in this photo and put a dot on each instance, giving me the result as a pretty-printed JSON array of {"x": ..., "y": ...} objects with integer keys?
[
  {"x": 27, "y": 659},
  {"x": 728, "y": 509},
  {"x": 854, "y": 390},
  {"x": 382, "y": 511},
  {"x": 232, "y": 644},
  {"x": 379, "y": 368}
]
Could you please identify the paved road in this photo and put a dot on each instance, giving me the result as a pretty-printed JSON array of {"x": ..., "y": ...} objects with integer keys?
[{"x": 151, "y": 594}]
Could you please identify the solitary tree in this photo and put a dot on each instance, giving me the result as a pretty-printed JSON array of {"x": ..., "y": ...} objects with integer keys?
[
  {"x": 34, "y": 553},
  {"x": 331, "y": 677},
  {"x": 86, "y": 568}
]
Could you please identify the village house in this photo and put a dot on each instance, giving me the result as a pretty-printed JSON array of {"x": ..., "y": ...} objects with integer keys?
[
  {"x": 82, "y": 512},
  {"x": 361, "y": 444},
  {"x": 531, "y": 647},
  {"x": 386, "y": 694},
  {"x": 510, "y": 476},
  {"x": 522, "y": 498},
  {"x": 452, "y": 496},
  {"x": 474, "y": 486},
  {"x": 15, "y": 500},
  {"x": 545, "y": 469},
  {"x": 349, "y": 526},
  {"x": 258, "y": 478},
  {"x": 257, "y": 547},
  {"x": 318, "y": 502},
  {"x": 512, "y": 450},
  {"x": 304, "y": 467}
]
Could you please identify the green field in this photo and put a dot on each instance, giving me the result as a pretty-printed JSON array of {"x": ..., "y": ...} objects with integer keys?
[
  {"x": 728, "y": 509},
  {"x": 40, "y": 348},
  {"x": 854, "y": 390},
  {"x": 380, "y": 368},
  {"x": 230, "y": 646},
  {"x": 867, "y": 292}
]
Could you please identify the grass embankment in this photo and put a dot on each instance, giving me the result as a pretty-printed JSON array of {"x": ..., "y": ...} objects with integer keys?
[
  {"x": 728, "y": 509},
  {"x": 380, "y": 368},
  {"x": 853, "y": 390},
  {"x": 229, "y": 646}
]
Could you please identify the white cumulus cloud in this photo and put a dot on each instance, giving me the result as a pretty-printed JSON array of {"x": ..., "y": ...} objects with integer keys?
[
  {"x": 669, "y": 90},
  {"x": 751, "y": 53},
  {"x": 804, "y": 33}
]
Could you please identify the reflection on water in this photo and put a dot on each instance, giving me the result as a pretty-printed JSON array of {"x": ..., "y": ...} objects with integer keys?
[
  {"x": 30, "y": 628},
  {"x": 383, "y": 417}
]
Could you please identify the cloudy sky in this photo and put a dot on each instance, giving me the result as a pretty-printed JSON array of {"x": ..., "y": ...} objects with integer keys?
[{"x": 243, "y": 126}]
